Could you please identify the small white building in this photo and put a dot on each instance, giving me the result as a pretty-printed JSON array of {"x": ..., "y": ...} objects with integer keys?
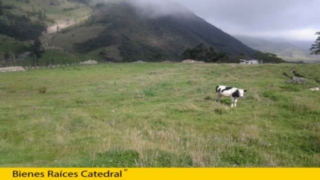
[{"x": 252, "y": 61}]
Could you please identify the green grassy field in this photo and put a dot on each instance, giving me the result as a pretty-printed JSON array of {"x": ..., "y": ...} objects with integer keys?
[{"x": 158, "y": 115}]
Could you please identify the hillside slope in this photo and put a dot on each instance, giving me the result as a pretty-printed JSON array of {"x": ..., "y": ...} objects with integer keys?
[
  {"x": 121, "y": 33},
  {"x": 286, "y": 51},
  {"x": 114, "y": 31},
  {"x": 22, "y": 21}
]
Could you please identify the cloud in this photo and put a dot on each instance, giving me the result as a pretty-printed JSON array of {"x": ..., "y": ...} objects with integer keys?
[
  {"x": 155, "y": 8},
  {"x": 159, "y": 8},
  {"x": 296, "y": 19}
]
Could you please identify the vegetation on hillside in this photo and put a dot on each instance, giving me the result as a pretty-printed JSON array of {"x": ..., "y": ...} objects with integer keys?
[
  {"x": 36, "y": 51},
  {"x": 21, "y": 27},
  {"x": 202, "y": 53},
  {"x": 1, "y": 8},
  {"x": 268, "y": 57},
  {"x": 22, "y": 22}
]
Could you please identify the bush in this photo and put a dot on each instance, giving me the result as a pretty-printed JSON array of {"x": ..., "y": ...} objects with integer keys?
[
  {"x": 21, "y": 28},
  {"x": 42, "y": 90}
]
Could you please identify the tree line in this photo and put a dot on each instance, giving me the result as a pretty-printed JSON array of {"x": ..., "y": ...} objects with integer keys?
[{"x": 203, "y": 53}]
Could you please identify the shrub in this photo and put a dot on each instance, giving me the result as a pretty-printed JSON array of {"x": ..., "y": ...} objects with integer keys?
[{"x": 42, "y": 90}]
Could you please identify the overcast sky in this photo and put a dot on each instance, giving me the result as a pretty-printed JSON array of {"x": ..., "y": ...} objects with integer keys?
[
  {"x": 288, "y": 19},
  {"x": 296, "y": 20}
]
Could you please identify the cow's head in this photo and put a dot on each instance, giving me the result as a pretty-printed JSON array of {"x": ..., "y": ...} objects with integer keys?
[{"x": 241, "y": 92}]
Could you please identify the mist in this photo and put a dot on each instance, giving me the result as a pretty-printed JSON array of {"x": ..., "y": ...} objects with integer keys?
[
  {"x": 296, "y": 20},
  {"x": 154, "y": 9}
]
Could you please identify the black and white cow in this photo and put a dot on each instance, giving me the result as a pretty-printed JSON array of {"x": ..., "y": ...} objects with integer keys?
[{"x": 232, "y": 92}]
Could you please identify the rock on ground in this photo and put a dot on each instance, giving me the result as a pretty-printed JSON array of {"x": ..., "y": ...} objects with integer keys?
[
  {"x": 191, "y": 61},
  {"x": 12, "y": 69},
  {"x": 89, "y": 62}
]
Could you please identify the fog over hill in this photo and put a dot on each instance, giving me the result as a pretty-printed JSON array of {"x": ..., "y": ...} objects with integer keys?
[{"x": 143, "y": 30}]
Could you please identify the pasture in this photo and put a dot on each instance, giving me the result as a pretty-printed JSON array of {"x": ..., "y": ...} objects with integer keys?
[{"x": 159, "y": 115}]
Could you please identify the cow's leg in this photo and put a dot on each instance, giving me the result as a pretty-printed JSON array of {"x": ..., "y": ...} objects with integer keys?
[
  {"x": 232, "y": 102},
  {"x": 235, "y": 102}
]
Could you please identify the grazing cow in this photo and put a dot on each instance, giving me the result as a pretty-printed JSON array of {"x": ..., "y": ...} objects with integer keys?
[{"x": 232, "y": 92}]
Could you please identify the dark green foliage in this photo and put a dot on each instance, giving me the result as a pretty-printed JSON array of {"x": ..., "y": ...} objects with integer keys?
[
  {"x": 290, "y": 88},
  {"x": 36, "y": 51},
  {"x": 99, "y": 5},
  {"x": 271, "y": 95},
  {"x": 241, "y": 156},
  {"x": 70, "y": 9},
  {"x": 1, "y": 11},
  {"x": 8, "y": 6},
  {"x": 21, "y": 27},
  {"x": 268, "y": 57},
  {"x": 166, "y": 159},
  {"x": 42, "y": 15},
  {"x": 203, "y": 53},
  {"x": 92, "y": 44},
  {"x": 310, "y": 144},
  {"x": 6, "y": 55},
  {"x": 315, "y": 48},
  {"x": 54, "y": 2},
  {"x": 133, "y": 51},
  {"x": 81, "y": 1}
]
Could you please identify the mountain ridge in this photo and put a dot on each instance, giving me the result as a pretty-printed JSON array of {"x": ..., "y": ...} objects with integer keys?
[
  {"x": 285, "y": 50},
  {"x": 163, "y": 37}
]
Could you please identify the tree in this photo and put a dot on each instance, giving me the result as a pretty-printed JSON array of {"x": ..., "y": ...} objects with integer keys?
[
  {"x": 6, "y": 56},
  {"x": 1, "y": 10},
  {"x": 202, "y": 53},
  {"x": 36, "y": 51},
  {"x": 315, "y": 48},
  {"x": 40, "y": 16},
  {"x": 268, "y": 57},
  {"x": 10, "y": 57},
  {"x": 44, "y": 16}
]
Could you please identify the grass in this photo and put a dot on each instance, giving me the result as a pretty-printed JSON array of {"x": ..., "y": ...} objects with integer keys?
[{"x": 158, "y": 115}]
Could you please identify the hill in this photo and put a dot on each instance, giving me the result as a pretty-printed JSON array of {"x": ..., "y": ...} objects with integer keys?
[
  {"x": 285, "y": 51},
  {"x": 123, "y": 34},
  {"x": 119, "y": 31}
]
